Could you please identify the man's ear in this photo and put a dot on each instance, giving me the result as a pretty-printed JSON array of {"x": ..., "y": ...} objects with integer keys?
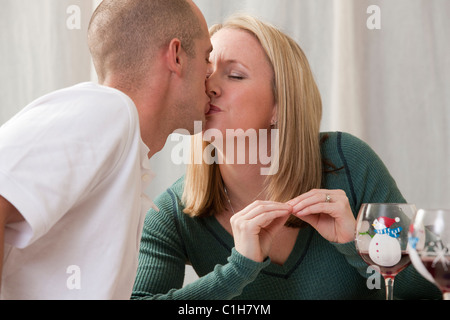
[{"x": 175, "y": 56}]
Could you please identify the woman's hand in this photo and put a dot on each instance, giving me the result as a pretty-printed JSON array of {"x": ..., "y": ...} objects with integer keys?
[
  {"x": 328, "y": 211},
  {"x": 255, "y": 227}
]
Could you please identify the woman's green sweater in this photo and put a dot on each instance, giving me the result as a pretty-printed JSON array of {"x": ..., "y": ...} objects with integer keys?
[{"x": 316, "y": 268}]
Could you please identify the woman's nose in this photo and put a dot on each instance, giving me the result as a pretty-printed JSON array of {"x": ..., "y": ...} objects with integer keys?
[{"x": 212, "y": 88}]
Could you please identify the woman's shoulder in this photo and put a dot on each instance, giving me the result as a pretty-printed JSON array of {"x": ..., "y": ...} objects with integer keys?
[
  {"x": 340, "y": 146},
  {"x": 172, "y": 193},
  {"x": 341, "y": 139},
  {"x": 169, "y": 202},
  {"x": 171, "y": 219},
  {"x": 177, "y": 187},
  {"x": 365, "y": 175}
]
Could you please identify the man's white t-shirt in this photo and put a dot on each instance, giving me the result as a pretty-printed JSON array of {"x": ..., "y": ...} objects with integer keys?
[{"x": 74, "y": 164}]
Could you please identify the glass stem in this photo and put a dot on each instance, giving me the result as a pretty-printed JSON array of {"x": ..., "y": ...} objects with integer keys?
[
  {"x": 389, "y": 288},
  {"x": 446, "y": 295}
]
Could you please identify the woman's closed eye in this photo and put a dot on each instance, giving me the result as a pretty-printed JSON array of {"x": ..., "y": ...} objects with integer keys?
[{"x": 236, "y": 76}]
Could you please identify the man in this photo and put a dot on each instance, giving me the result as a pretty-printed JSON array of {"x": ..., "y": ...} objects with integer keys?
[{"x": 74, "y": 163}]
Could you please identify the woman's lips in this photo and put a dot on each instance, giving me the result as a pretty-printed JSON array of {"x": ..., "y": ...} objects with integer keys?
[{"x": 213, "y": 109}]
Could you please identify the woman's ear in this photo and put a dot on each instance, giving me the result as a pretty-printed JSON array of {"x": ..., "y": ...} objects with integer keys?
[{"x": 175, "y": 56}]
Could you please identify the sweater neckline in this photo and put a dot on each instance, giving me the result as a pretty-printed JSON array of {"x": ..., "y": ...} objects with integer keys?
[{"x": 294, "y": 260}]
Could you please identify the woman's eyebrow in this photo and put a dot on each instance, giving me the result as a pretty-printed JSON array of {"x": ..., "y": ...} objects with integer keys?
[{"x": 234, "y": 61}]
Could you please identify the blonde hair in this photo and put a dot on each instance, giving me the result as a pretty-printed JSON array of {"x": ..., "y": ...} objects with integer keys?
[{"x": 299, "y": 112}]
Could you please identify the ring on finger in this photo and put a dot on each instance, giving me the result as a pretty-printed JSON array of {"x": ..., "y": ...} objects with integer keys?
[{"x": 327, "y": 198}]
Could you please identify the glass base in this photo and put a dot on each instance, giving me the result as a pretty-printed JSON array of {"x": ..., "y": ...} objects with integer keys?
[{"x": 389, "y": 288}]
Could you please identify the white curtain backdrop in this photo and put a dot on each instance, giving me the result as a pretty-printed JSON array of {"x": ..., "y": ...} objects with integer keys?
[
  {"x": 390, "y": 86},
  {"x": 39, "y": 53}
]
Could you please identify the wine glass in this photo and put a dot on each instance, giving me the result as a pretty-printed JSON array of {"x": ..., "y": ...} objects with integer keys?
[
  {"x": 382, "y": 238},
  {"x": 429, "y": 247}
]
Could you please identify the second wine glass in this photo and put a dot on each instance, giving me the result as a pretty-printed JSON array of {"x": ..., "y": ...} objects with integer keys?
[{"x": 429, "y": 239}]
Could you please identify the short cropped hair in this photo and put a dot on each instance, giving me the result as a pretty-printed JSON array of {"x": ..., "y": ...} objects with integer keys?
[{"x": 125, "y": 35}]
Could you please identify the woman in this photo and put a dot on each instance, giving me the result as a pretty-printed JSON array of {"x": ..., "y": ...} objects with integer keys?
[{"x": 286, "y": 235}]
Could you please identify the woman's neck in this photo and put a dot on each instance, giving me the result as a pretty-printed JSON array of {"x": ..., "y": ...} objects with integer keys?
[{"x": 244, "y": 184}]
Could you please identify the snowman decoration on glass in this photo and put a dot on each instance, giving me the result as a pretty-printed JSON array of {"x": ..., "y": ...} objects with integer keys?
[{"x": 384, "y": 248}]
